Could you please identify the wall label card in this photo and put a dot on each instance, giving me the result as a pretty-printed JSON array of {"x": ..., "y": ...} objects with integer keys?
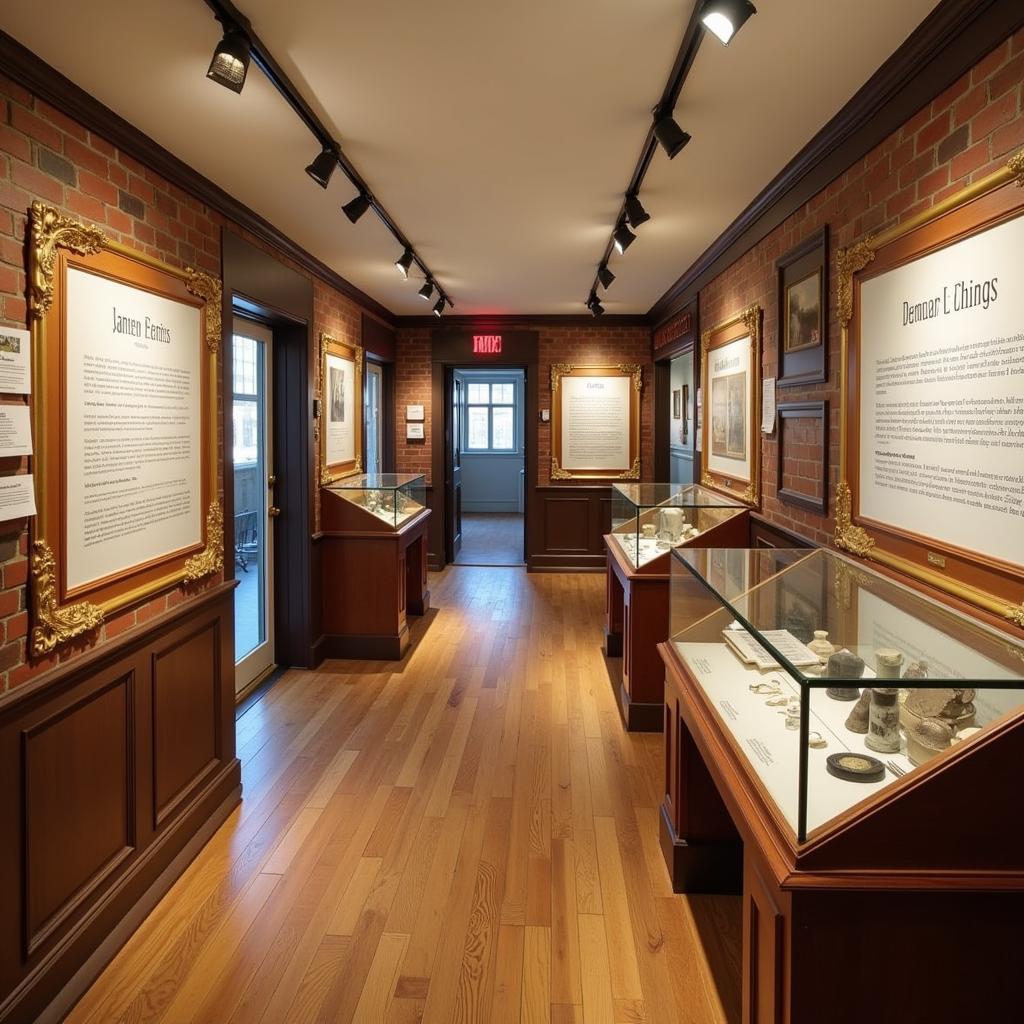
[
  {"x": 414, "y": 413},
  {"x": 414, "y": 431},
  {"x": 17, "y": 497},
  {"x": 15, "y": 361},
  {"x": 15, "y": 430}
]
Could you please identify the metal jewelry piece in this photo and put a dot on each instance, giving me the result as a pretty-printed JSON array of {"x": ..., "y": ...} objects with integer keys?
[
  {"x": 777, "y": 701},
  {"x": 816, "y": 740},
  {"x": 765, "y": 688}
]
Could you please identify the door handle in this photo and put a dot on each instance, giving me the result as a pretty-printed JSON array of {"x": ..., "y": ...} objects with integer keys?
[
  {"x": 271, "y": 480},
  {"x": 273, "y": 511}
]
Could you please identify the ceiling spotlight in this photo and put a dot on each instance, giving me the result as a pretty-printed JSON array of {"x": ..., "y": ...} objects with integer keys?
[
  {"x": 231, "y": 59},
  {"x": 403, "y": 263},
  {"x": 355, "y": 208},
  {"x": 594, "y": 305},
  {"x": 624, "y": 238},
  {"x": 635, "y": 212},
  {"x": 669, "y": 134},
  {"x": 725, "y": 18},
  {"x": 427, "y": 290},
  {"x": 321, "y": 169},
  {"x": 605, "y": 276},
  {"x": 439, "y": 306}
]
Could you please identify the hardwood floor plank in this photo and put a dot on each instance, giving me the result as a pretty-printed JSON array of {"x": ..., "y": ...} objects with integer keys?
[
  {"x": 380, "y": 982},
  {"x": 536, "y": 985},
  {"x": 598, "y": 1007}
]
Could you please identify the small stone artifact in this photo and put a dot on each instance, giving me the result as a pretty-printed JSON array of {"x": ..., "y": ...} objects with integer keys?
[
  {"x": 670, "y": 522},
  {"x": 820, "y": 645},
  {"x": 844, "y": 665},
  {"x": 647, "y": 531},
  {"x": 888, "y": 663},
  {"x": 916, "y": 670},
  {"x": 926, "y": 738},
  {"x": 955, "y": 706},
  {"x": 793, "y": 713},
  {"x": 884, "y": 720},
  {"x": 857, "y": 720},
  {"x": 855, "y": 767}
]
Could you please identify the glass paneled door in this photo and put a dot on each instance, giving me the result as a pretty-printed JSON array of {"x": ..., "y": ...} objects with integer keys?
[
  {"x": 374, "y": 418},
  {"x": 254, "y": 496}
]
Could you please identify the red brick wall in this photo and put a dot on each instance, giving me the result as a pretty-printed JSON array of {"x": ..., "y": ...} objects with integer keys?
[
  {"x": 45, "y": 155},
  {"x": 594, "y": 343},
  {"x": 962, "y": 135}
]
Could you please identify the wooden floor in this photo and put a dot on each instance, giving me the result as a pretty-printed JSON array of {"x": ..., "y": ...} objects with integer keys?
[
  {"x": 468, "y": 835},
  {"x": 491, "y": 538}
]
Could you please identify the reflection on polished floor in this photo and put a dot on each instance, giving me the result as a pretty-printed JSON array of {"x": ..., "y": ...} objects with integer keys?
[
  {"x": 491, "y": 538},
  {"x": 467, "y": 835}
]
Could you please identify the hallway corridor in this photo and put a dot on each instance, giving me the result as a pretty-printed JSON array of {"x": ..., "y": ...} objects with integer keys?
[{"x": 468, "y": 835}]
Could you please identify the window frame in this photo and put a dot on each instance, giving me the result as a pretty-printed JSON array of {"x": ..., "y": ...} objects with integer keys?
[{"x": 490, "y": 406}]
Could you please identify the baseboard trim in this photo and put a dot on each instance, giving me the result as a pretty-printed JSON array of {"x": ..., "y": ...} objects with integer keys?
[
  {"x": 363, "y": 648},
  {"x": 638, "y": 717},
  {"x": 712, "y": 868}
]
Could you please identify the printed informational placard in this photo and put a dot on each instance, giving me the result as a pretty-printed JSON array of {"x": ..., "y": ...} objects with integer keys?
[
  {"x": 15, "y": 431},
  {"x": 730, "y": 407},
  {"x": 17, "y": 497},
  {"x": 414, "y": 431},
  {"x": 133, "y": 427},
  {"x": 595, "y": 423},
  {"x": 414, "y": 413},
  {"x": 15, "y": 361},
  {"x": 942, "y": 386},
  {"x": 341, "y": 409}
]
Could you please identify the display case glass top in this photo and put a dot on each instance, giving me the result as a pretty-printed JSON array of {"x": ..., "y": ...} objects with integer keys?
[
  {"x": 649, "y": 519},
  {"x": 834, "y": 681},
  {"x": 393, "y": 498}
]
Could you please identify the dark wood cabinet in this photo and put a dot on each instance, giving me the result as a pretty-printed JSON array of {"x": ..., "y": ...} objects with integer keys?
[{"x": 374, "y": 577}]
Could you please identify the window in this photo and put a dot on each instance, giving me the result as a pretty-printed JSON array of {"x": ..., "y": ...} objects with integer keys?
[
  {"x": 490, "y": 416},
  {"x": 244, "y": 409}
]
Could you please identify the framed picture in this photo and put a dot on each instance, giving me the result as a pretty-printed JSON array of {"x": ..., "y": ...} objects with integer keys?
[
  {"x": 803, "y": 312},
  {"x": 802, "y": 473},
  {"x": 684, "y": 435},
  {"x": 930, "y": 390},
  {"x": 125, "y": 352},
  {"x": 595, "y": 429},
  {"x": 677, "y": 404},
  {"x": 731, "y": 392},
  {"x": 341, "y": 409}
]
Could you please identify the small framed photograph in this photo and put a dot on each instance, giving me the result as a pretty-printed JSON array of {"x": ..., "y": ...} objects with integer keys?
[
  {"x": 414, "y": 431},
  {"x": 803, "y": 312},
  {"x": 677, "y": 404},
  {"x": 414, "y": 413},
  {"x": 684, "y": 435}
]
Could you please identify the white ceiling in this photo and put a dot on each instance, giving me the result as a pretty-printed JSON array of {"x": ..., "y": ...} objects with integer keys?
[{"x": 499, "y": 136}]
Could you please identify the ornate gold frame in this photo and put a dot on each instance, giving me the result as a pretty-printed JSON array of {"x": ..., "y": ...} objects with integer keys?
[
  {"x": 631, "y": 370},
  {"x": 970, "y": 580},
  {"x": 331, "y": 346},
  {"x": 747, "y": 322},
  {"x": 57, "y": 241}
]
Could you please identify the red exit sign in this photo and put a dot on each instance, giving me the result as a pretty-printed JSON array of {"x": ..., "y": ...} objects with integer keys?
[{"x": 486, "y": 344}]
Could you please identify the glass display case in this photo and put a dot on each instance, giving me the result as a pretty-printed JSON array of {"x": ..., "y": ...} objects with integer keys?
[
  {"x": 650, "y": 519},
  {"x": 393, "y": 498},
  {"x": 834, "y": 682}
]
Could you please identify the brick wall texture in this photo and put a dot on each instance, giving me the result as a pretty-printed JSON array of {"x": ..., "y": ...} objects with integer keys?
[
  {"x": 965, "y": 133},
  {"x": 591, "y": 344},
  {"x": 45, "y": 155}
]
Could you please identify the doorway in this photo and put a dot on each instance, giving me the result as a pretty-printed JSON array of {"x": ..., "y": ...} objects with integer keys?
[
  {"x": 682, "y": 421},
  {"x": 252, "y": 426},
  {"x": 373, "y": 401},
  {"x": 487, "y": 429}
]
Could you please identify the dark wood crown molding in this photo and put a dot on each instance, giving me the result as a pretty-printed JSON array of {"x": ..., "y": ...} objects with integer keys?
[
  {"x": 32, "y": 72},
  {"x": 947, "y": 44},
  {"x": 508, "y": 321}
]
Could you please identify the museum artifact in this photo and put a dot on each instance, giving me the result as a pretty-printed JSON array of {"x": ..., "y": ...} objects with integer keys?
[
  {"x": 821, "y": 646},
  {"x": 844, "y": 665},
  {"x": 884, "y": 720},
  {"x": 793, "y": 713},
  {"x": 888, "y": 663},
  {"x": 857, "y": 719},
  {"x": 927, "y": 737},
  {"x": 855, "y": 767},
  {"x": 954, "y": 705},
  {"x": 916, "y": 670},
  {"x": 816, "y": 741}
]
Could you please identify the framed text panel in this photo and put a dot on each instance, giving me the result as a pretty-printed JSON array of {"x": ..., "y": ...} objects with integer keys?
[
  {"x": 125, "y": 354},
  {"x": 932, "y": 452},
  {"x": 341, "y": 409},
  {"x": 731, "y": 396},
  {"x": 595, "y": 422}
]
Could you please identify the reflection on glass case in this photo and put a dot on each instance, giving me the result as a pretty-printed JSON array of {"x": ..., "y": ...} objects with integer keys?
[
  {"x": 834, "y": 681},
  {"x": 650, "y": 519},
  {"x": 394, "y": 498}
]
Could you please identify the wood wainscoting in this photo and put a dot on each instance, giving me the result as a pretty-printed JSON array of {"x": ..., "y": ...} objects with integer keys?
[
  {"x": 116, "y": 769},
  {"x": 568, "y": 533}
]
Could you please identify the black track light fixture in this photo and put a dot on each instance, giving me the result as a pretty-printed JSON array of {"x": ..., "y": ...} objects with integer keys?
[
  {"x": 321, "y": 169},
  {"x": 355, "y": 208},
  {"x": 624, "y": 238},
  {"x": 427, "y": 291},
  {"x": 230, "y": 62},
  {"x": 594, "y": 305},
  {"x": 724, "y": 18},
  {"x": 671, "y": 137},
  {"x": 635, "y": 212},
  {"x": 439, "y": 306},
  {"x": 403, "y": 263},
  {"x": 605, "y": 276}
]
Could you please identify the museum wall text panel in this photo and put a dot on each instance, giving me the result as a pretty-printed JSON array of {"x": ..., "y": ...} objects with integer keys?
[{"x": 962, "y": 135}]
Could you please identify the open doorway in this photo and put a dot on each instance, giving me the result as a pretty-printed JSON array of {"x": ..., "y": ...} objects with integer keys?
[{"x": 488, "y": 424}]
